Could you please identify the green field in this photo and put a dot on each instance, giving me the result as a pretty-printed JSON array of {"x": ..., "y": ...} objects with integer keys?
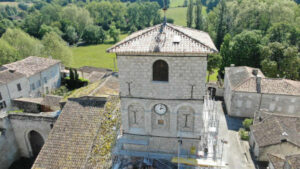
[
  {"x": 94, "y": 55},
  {"x": 176, "y": 3},
  {"x": 178, "y": 14}
]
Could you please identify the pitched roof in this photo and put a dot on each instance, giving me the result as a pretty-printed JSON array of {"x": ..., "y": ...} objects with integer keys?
[
  {"x": 272, "y": 86},
  {"x": 70, "y": 141},
  {"x": 275, "y": 129},
  {"x": 166, "y": 38},
  {"x": 239, "y": 74},
  {"x": 242, "y": 78},
  {"x": 276, "y": 160},
  {"x": 7, "y": 76},
  {"x": 293, "y": 161},
  {"x": 31, "y": 65}
]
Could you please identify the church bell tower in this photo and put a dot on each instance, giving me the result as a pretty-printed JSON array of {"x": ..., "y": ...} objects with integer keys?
[{"x": 162, "y": 74}]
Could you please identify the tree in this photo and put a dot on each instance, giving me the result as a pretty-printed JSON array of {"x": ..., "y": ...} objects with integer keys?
[
  {"x": 22, "y": 42},
  {"x": 214, "y": 61},
  {"x": 56, "y": 47},
  {"x": 32, "y": 23},
  {"x": 281, "y": 60},
  {"x": 246, "y": 48},
  {"x": 71, "y": 35},
  {"x": 198, "y": 14},
  {"x": 46, "y": 29},
  {"x": 225, "y": 53},
  {"x": 114, "y": 33},
  {"x": 221, "y": 24},
  {"x": 77, "y": 17},
  {"x": 8, "y": 53},
  {"x": 4, "y": 24},
  {"x": 93, "y": 34},
  {"x": 189, "y": 20},
  {"x": 284, "y": 33}
]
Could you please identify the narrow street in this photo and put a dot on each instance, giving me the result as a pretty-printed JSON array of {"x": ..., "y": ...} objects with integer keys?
[{"x": 235, "y": 155}]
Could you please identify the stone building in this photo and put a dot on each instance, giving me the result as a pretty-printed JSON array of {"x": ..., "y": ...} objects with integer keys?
[
  {"x": 30, "y": 77},
  {"x": 162, "y": 75},
  {"x": 12, "y": 85},
  {"x": 274, "y": 134},
  {"x": 43, "y": 74},
  {"x": 247, "y": 90},
  {"x": 281, "y": 162}
]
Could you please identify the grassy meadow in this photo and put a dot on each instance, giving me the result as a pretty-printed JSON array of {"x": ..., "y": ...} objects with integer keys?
[{"x": 95, "y": 55}]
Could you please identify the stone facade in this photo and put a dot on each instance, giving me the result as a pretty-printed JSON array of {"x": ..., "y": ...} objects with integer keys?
[
  {"x": 183, "y": 73},
  {"x": 246, "y": 93},
  {"x": 182, "y": 94},
  {"x": 10, "y": 91},
  {"x": 175, "y": 94},
  {"x": 45, "y": 81},
  {"x": 22, "y": 124},
  {"x": 8, "y": 145},
  {"x": 245, "y": 104}
]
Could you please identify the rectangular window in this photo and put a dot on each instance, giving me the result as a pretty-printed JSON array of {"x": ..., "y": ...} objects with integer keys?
[
  {"x": 32, "y": 86},
  {"x": 45, "y": 79},
  {"x": 0, "y": 96},
  {"x": 19, "y": 87}
]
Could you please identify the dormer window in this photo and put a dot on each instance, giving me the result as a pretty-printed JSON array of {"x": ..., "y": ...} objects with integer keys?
[{"x": 160, "y": 71}]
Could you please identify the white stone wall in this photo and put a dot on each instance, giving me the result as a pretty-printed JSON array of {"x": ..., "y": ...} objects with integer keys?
[
  {"x": 287, "y": 104},
  {"x": 22, "y": 125},
  {"x": 8, "y": 146},
  {"x": 227, "y": 93},
  {"x": 183, "y": 72},
  {"x": 244, "y": 104},
  {"x": 5, "y": 97},
  {"x": 53, "y": 79},
  {"x": 170, "y": 118}
]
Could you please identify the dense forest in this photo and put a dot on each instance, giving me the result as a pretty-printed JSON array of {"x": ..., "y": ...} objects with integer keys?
[{"x": 257, "y": 33}]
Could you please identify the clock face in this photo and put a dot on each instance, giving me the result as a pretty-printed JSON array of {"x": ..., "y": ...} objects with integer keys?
[{"x": 160, "y": 109}]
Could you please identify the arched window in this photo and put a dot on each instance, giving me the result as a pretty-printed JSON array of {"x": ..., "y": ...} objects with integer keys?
[{"x": 160, "y": 71}]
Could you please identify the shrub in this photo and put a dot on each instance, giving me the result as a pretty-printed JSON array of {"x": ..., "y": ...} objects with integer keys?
[
  {"x": 247, "y": 123},
  {"x": 244, "y": 134}
]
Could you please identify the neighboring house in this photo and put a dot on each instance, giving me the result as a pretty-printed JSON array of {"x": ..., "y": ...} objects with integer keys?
[
  {"x": 274, "y": 133},
  {"x": 12, "y": 85},
  {"x": 247, "y": 90},
  {"x": 43, "y": 74},
  {"x": 287, "y": 162}
]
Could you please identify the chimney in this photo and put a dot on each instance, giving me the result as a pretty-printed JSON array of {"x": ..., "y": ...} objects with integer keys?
[
  {"x": 258, "y": 84},
  {"x": 255, "y": 72}
]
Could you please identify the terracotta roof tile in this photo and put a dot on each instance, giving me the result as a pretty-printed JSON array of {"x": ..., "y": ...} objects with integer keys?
[
  {"x": 276, "y": 161},
  {"x": 7, "y": 76},
  {"x": 69, "y": 143},
  {"x": 172, "y": 39},
  {"x": 275, "y": 129},
  {"x": 270, "y": 85},
  {"x": 31, "y": 65}
]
